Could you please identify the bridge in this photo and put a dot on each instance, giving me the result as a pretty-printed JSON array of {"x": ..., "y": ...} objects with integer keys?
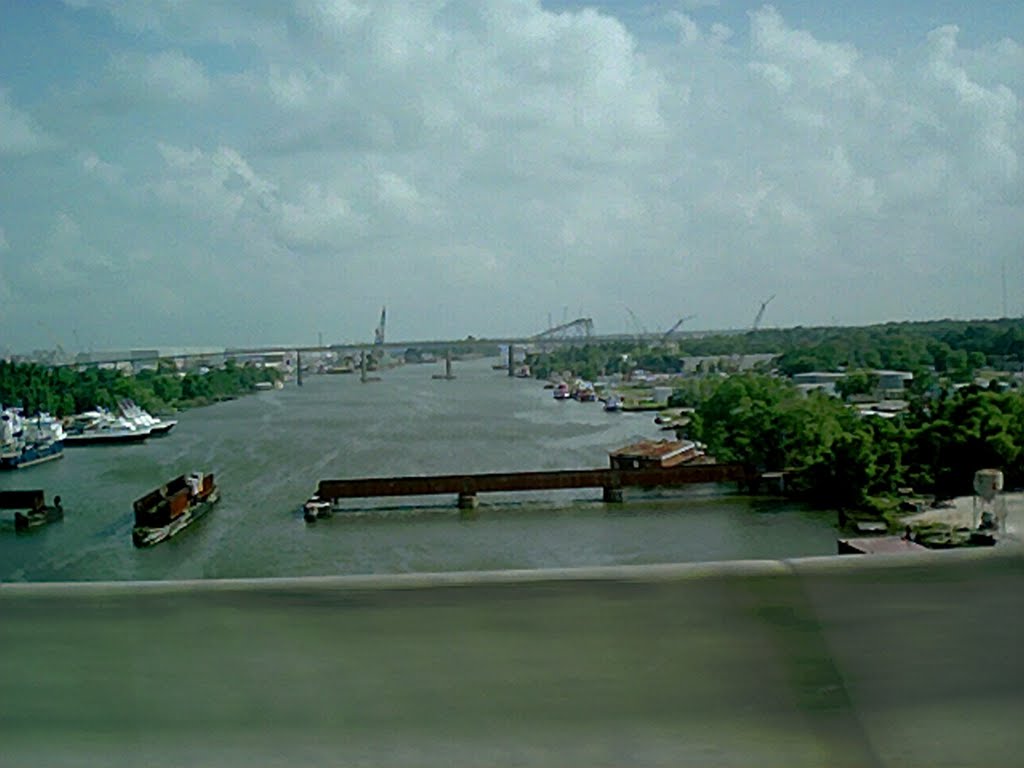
[
  {"x": 467, "y": 486},
  {"x": 569, "y": 333},
  {"x": 839, "y": 661}
]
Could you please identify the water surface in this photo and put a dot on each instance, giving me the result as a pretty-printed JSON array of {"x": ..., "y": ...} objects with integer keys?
[{"x": 270, "y": 449}]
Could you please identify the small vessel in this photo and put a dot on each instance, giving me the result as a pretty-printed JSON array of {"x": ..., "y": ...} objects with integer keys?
[
  {"x": 316, "y": 508},
  {"x": 30, "y": 508},
  {"x": 101, "y": 426},
  {"x": 170, "y": 508},
  {"x": 584, "y": 392},
  {"x": 28, "y": 441},
  {"x": 613, "y": 403},
  {"x": 562, "y": 391}
]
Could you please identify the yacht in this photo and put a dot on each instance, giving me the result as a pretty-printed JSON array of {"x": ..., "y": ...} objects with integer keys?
[{"x": 101, "y": 426}]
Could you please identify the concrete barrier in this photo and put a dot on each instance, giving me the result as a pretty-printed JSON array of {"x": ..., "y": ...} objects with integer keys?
[{"x": 887, "y": 660}]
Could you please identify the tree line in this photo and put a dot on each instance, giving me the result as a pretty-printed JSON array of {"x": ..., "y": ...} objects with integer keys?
[
  {"x": 66, "y": 391},
  {"x": 951, "y": 348},
  {"x": 839, "y": 457}
]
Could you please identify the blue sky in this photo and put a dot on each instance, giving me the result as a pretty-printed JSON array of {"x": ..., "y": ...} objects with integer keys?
[{"x": 263, "y": 172}]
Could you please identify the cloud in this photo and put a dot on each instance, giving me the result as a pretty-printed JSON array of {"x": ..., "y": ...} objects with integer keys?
[
  {"x": 18, "y": 132},
  {"x": 523, "y": 158},
  {"x": 165, "y": 76}
]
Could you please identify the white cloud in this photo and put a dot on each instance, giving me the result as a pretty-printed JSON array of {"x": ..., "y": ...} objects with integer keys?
[
  {"x": 822, "y": 63},
  {"x": 165, "y": 76},
  {"x": 18, "y": 131},
  {"x": 550, "y": 158}
]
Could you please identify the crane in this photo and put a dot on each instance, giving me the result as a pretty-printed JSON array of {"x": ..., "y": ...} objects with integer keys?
[
  {"x": 753, "y": 329},
  {"x": 760, "y": 312},
  {"x": 675, "y": 328},
  {"x": 641, "y": 330}
]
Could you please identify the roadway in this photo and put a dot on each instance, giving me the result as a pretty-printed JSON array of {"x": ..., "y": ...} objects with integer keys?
[{"x": 854, "y": 661}]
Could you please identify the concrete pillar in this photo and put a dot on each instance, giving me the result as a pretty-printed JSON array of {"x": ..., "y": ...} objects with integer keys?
[
  {"x": 611, "y": 495},
  {"x": 511, "y": 359}
]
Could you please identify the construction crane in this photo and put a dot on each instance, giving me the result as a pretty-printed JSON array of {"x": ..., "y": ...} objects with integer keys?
[
  {"x": 753, "y": 328},
  {"x": 760, "y": 312},
  {"x": 378, "y": 334},
  {"x": 640, "y": 329},
  {"x": 675, "y": 328}
]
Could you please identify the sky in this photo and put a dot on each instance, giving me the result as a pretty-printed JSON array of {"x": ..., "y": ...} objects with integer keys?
[{"x": 178, "y": 173}]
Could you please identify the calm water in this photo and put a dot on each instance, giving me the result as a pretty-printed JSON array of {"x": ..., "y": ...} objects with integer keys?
[{"x": 270, "y": 449}]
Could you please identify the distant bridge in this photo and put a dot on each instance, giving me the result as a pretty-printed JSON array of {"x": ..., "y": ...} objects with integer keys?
[{"x": 569, "y": 333}]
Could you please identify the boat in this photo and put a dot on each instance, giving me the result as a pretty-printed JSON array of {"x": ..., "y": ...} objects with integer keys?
[
  {"x": 28, "y": 441},
  {"x": 583, "y": 391},
  {"x": 562, "y": 391},
  {"x": 101, "y": 427},
  {"x": 142, "y": 418},
  {"x": 613, "y": 403},
  {"x": 30, "y": 508},
  {"x": 316, "y": 508},
  {"x": 172, "y": 507}
]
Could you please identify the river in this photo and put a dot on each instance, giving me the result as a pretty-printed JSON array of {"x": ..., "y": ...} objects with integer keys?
[{"x": 269, "y": 450}]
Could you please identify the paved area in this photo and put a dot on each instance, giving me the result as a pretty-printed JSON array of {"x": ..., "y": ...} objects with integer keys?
[
  {"x": 963, "y": 511},
  {"x": 840, "y": 661}
]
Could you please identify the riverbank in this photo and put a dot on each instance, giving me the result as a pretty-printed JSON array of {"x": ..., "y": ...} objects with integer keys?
[{"x": 959, "y": 516}]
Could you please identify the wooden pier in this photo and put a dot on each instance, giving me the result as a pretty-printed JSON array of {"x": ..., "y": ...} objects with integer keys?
[{"x": 466, "y": 487}]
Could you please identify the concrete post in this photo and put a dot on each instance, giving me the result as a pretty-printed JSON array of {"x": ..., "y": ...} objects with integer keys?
[
  {"x": 511, "y": 359},
  {"x": 611, "y": 495}
]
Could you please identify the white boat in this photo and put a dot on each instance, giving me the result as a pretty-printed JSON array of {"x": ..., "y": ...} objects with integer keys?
[
  {"x": 142, "y": 418},
  {"x": 101, "y": 426},
  {"x": 27, "y": 441}
]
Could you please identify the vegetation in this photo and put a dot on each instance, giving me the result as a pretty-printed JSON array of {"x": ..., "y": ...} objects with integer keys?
[
  {"x": 66, "y": 391},
  {"x": 838, "y": 457},
  {"x": 952, "y": 348},
  {"x": 841, "y": 458}
]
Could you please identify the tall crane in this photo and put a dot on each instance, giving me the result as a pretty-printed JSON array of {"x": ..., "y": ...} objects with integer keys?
[
  {"x": 753, "y": 328},
  {"x": 640, "y": 329},
  {"x": 675, "y": 328},
  {"x": 760, "y": 312},
  {"x": 378, "y": 334}
]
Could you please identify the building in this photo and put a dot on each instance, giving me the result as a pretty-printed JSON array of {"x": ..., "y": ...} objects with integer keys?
[{"x": 653, "y": 454}]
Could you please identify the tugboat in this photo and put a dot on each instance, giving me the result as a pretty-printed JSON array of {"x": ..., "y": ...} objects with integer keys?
[
  {"x": 315, "y": 508},
  {"x": 170, "y": 508},
  {"x": 30, "y": 508}
]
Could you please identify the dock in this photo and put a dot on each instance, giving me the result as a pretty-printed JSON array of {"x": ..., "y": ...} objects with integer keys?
[
  {"x": 466, "y": 487},
  {"x": 878, "y": 545}
]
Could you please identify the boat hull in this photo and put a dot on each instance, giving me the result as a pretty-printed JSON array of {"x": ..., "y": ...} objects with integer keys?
[
  {"x": 106, "y": 438},
  {"x": 32, "y": 455},
  {"x": 25, "y": 521}
]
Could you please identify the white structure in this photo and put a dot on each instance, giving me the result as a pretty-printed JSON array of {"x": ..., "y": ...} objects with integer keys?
[{"x": 989, "y": 505}]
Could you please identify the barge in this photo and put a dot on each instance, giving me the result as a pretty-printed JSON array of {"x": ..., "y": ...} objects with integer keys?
[{"x": 172, "y": 507}]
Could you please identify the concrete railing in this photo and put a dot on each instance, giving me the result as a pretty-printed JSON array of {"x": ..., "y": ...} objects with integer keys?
[{"x": 828, "y": 661}]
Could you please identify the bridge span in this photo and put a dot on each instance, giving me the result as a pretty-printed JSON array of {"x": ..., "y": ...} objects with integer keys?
[
  {"x": 852, "y": 661},
  {"x": 467, "y": 486}
]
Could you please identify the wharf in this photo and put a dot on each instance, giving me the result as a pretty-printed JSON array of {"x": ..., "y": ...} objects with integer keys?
[{"x": 467, "y": 486}]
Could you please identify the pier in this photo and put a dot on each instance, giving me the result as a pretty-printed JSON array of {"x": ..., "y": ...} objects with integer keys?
[{"x": 466, "y": 487}]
